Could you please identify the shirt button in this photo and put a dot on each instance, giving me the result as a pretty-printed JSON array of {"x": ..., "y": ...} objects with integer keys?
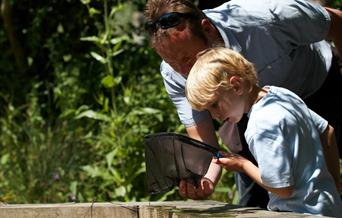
[{"x": 269, "y": 67}]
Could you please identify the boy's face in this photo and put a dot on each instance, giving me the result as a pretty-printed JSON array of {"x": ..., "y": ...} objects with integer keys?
[{"x": 230, "y": 105}]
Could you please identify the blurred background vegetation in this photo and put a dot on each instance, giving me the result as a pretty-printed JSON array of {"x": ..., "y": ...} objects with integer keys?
[{"x": 80, "y": 88}]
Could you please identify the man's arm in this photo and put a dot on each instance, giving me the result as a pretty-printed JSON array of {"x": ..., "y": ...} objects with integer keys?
[
  {"x": 205, "y": 132},
  {"x": 330, "y": 150},
  {"x": 335, "y": 31}
]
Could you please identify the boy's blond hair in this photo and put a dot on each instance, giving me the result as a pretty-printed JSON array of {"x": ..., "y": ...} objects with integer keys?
[{"x": 212, "y": 71}]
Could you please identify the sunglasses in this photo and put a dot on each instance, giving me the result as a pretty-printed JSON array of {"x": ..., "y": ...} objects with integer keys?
[{"x": 167, "y": 21}]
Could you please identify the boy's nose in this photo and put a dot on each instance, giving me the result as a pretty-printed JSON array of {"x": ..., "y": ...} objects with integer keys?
[{"x": 215, "y": 114}]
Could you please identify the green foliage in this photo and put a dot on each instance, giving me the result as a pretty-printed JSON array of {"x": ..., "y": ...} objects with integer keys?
[
  {"x": 130, "y": 109},
  {"x": 335, "y": 4},
  {"x": 38, "y": 158},
  {"x": 74, "y": 130}
]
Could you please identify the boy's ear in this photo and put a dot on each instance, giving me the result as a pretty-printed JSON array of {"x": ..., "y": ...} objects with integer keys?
[{"x": 237, "y": 84}]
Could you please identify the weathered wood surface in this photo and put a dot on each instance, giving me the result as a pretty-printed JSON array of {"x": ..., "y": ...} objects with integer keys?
[{"x": 169, "y": 209}]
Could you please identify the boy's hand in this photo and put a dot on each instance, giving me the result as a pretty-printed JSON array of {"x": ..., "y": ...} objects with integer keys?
[
  {"x": 189, "y": 190},
  {"x": 230, "y": 161}
]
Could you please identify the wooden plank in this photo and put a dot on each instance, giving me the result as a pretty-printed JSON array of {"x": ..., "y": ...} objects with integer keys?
[{"x": 168, "y": 209}]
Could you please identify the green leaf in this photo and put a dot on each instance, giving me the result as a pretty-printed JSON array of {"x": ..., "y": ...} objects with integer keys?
[
  {"x": 91, "y": 39},
  {"x": 116, "y": 53},
  {"x": 94, "y": 11},
  {"x": 109, "y": 81},
  {"x": 85, "y": 1},
  {"x": 91, "y": 171},
  {"x": 93, "y": 115},
  {"x": 120, "y": 39},
  {"x": 147, "y": 110},
  {"x": 60, "y": 28},
  {"x": 4, "y": 159},
  {"x": 98, "y": 57},
  {"x": 67, "y": 113},
  {"x": 73, "y": 187},
  {"x": 110, "y": 156},
  {"x": 121, "y": 191}
]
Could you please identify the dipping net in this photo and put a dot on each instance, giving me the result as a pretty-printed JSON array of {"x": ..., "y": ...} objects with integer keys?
[{"x": 171, "y": 157}]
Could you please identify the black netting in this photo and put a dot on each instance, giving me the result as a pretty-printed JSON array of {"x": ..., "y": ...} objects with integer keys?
[{"x": 172, "y": 157}]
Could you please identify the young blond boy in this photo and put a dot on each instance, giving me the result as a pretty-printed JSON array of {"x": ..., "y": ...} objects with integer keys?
[{"x": 282, "y": 133}]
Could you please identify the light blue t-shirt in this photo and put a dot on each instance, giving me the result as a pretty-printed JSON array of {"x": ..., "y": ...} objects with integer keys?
[
  {"x": 283, "y": 136},
  {"x": 275, "y": 36}
]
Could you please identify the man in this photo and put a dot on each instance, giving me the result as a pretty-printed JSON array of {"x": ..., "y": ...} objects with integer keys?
[{"x": 282, "y": 38}]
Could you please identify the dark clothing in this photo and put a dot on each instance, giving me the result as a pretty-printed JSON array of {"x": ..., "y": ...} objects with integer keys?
[
  {"x": 251, "y": 194},
  {"x": 206, "y": 4},
  {"x": 327, "y": 101}
]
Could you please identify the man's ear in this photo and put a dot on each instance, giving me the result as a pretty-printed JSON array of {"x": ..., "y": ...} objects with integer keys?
[
  {"x": 237, "y": 84},
  {"x": 208, "y": 28}
]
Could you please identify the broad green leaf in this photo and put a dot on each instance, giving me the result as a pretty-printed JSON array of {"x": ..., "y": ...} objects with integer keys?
[
  {"x": 4, "y": 159},
  {"x": 91, "y": 171},
  {"x": 121, "y": 191},
  {"x": 108, "y": 81}
]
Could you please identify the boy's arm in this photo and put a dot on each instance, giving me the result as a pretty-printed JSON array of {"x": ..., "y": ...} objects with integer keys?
[
  {"x": 331, "y": 155},
  {"x": 238, "y": 163}
]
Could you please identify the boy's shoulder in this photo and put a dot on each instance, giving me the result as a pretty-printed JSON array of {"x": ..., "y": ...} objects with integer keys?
[{"x": 277, "y": 109}]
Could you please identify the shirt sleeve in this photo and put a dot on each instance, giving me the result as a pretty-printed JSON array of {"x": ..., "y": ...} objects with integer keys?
[
  {"x": 175, "y": 87},
  {"x": 298, "y": 22},
  {"x": 274, "y": 158},
  {"x": 320, "y": 123}
]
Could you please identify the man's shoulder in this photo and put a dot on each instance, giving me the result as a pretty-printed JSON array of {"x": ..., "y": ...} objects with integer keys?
[
  {"x": 170, "y": 74},
  {"x": 174, "y": 82}
]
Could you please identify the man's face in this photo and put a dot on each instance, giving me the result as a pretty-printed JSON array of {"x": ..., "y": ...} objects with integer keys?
[{"x": 180, "y": 48}]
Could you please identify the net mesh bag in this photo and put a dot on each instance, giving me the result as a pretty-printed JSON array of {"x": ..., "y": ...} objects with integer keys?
[{"x": 171, "y": 157}]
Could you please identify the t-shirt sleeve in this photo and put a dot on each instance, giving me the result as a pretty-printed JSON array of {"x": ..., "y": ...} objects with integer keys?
[
  {"x": 175, "y": 87},
  {"x": 320, "y": 123},
  {"x": 274, "y": 159}
]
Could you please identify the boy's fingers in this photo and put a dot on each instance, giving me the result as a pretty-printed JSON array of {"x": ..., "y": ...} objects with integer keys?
[{"x": 223, "y": 160}]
